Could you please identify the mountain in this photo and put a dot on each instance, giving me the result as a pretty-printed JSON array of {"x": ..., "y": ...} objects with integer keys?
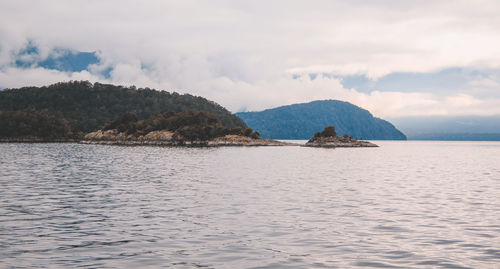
[
  {"x": 301, "y": 121},
  {"x": 87, "y": 107},
  {"x": 471, "y": 128}
]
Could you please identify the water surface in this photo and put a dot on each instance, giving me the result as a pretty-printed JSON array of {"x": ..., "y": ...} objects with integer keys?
[{"x": 402, "y": 205}]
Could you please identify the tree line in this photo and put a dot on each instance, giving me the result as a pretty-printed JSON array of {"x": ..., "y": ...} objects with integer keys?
[
  {"x": 32, "y": 124},
  {"x": 87, "y": 107},
  {"x": 188, "y": 125}
]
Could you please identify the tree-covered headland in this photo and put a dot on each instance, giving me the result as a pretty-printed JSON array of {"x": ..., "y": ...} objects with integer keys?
[{"x": 79, "y": 107}]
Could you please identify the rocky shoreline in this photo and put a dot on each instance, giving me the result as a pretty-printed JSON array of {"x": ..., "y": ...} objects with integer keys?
[
  {"x": 37, "y": 140},
  {"x": 338, "y": 142},
  {"x": 167, "y": 138},
  {"x": 171, "y": 139}
]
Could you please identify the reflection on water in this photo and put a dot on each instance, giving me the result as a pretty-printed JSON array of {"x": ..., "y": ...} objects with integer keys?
[{"x": 402, "y": 205}]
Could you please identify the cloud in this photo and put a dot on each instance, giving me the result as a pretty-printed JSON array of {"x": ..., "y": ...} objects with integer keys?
[
  {"x": 463, "y": 100},
  {"x": 445, "y": 81},
  {"x": 244, "y": 54},
  {"x": 288, "y": 90},
  {"x": 11, "y": 76}
]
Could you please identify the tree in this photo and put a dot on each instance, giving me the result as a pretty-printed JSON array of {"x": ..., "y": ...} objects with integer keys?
[
  {"x": 348, "y": 137},
  {"x": 33, "y": 124},
  {"x": 248, "y": 132},
  {"x": 255, "y": 135},
  {"x": 329, "y": 131},
  {"x": 122, "y": 123}
]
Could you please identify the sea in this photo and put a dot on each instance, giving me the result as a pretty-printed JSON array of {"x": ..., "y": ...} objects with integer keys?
[{"x": 405, "y": 204}]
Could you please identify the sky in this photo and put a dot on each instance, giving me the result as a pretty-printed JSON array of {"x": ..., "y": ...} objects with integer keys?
[{"x": 394, "y": 58}]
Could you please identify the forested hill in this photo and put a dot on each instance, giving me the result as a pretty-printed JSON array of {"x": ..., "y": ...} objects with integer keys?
[
  {"x": 87, "y": 107},
  {"x": 301, "y": 121}
]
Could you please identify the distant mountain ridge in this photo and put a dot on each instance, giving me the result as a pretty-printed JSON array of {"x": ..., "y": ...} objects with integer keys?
[{"x": 301, "y": 121}]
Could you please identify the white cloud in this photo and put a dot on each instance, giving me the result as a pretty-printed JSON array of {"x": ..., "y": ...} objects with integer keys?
[
  {"x": 10, "y": 77},
  {"x": 242, "y": 53},
  {"x": 492, "y": 81},
  {"x": 462, "y": 100}
]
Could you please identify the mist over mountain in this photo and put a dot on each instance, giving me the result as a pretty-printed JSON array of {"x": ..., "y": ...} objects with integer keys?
[
  {"x": 301, "y": 121},
  {"x": 449, "y": 127}
]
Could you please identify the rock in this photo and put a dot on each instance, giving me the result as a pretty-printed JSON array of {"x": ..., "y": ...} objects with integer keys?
[
  {"x": 159, "y": 136},
  {"x": 102, "y": 135},
  {"x": 167, "y": 138},
  {"x": 238, "y": 140},
  {"x": 338, "y": 142}
]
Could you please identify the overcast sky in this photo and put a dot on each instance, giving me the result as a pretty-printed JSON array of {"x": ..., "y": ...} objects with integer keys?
[{"x": 394, "y": 58}]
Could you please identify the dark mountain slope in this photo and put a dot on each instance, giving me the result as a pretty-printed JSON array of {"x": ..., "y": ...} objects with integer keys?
[
  {"x": 301, "y": 121},
  {"x": 87, "y": 107}
]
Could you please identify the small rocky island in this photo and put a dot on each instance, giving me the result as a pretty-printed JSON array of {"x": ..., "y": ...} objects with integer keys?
[
  {"x": 328, "y": 139},
  {"x": 176, "y": 129}
]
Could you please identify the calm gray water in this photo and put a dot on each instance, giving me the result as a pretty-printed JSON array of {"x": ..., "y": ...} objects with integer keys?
[{"x": 405, "y": 204}]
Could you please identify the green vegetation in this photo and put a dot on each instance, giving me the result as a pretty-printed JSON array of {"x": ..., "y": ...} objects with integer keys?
[
  {"x": 329, "y": 131},
  {"x": 188, "y": 125},
  {"x": 32, "y": 124},
  {"x": 328, "y": 139},
  {"x": 301, "y": 121},
  {"x": 87, "y": 107}
]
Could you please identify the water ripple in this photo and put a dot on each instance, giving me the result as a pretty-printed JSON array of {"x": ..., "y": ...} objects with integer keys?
[{"x": 402, "y": 205}]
